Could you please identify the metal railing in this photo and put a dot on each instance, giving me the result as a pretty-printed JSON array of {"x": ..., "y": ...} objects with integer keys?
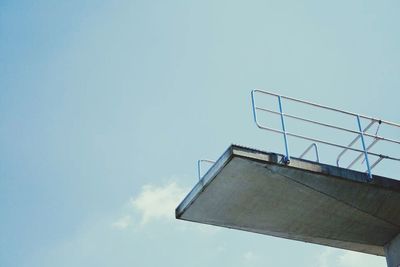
[
  {"x": 364, "y": 151},
  {"x": 313, "y": 145},
  {"x": 199, "y": 164}
]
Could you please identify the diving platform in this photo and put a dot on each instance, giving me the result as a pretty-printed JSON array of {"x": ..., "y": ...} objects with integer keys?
[
  {"x": 256, "y": 191},
  {"x": 290, "y": 197}
]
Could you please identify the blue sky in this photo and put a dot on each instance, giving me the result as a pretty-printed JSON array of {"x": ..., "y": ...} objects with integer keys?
[{"x": 105, "y": 107}]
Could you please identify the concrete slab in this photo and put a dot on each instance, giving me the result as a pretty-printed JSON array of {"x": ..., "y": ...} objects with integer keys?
[{"x": 251, "y": 190}]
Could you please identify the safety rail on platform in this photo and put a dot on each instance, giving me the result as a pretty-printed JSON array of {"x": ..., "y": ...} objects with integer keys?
[
  {"x": 361, "y": 134},
  {"x": 199, "y": 164}
]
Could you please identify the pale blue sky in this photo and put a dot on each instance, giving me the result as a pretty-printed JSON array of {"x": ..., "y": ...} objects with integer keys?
[{"x": 105, "y": 106}]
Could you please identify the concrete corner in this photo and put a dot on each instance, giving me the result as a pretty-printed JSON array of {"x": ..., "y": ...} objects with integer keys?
[{"x": 392, "y": 251}]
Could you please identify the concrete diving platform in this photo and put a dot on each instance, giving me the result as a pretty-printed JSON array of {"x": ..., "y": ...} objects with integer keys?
[{"x": 255, "y": 191}]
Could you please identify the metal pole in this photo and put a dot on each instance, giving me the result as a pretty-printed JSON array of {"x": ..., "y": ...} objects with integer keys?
[
  {"x": 328, "y": 108},
  {"x": 364, "y": 148},
  {"x": 199, "y": 169},
  {"x": 287, "y": 158},
  {"x": 253, "y": 102},
  {"x": 361, "y": 154},
  {"x": 199, "y": 166},
  {"x": 352, "y": 143},
  {"x": 308, "y": 149}
]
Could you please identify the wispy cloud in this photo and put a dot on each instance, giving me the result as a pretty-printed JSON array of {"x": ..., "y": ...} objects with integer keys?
[
  {"x": 325, "y": 258},
  {"x": 122, "y": 223},
  {"x": 355, "y": 259},
  {"x": 331, "y": 257},
  {"x": 249, "y": 256},
  {"x": 158, "y": 202}
]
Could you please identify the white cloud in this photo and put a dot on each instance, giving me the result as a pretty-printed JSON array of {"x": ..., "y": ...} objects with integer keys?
[
  {"x": 326, "y": 257},
  {"x": 208, "y": 229},
  {"x": 249, "y": 256},
  {"x": 122, "y": 223},
  {"x": 158, "y": 202},
  {"x": 331, "y": 257},
  {"x": 355, "y": 259},
  {"x": 221, "y": 249}
]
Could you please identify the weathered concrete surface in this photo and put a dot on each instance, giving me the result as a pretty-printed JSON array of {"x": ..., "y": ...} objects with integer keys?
[
  {"x": 253, "y": 191},
  {"x": 392, "y": 250}
]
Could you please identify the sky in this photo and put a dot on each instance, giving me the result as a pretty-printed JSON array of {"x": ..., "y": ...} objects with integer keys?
[{"x": 105, "y": 107}]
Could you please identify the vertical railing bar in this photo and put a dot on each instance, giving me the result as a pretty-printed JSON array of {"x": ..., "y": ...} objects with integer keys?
[
  {"x": 352, "y": 143},
  {"x": 364, "y": 148},
  {"x": 199, "y": 169},
  {"x": 287, "y": 159},
  {"x": 316, "y": 151},
  {"x": 253, "y": 102},
  {"x": 361, "y": 154}
]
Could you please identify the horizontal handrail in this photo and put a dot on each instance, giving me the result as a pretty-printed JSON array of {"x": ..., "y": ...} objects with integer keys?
[
  {"x": 329, "y": 125},
  {"x": 328, "y": 108},
  {"x": 325, "y": 142}
]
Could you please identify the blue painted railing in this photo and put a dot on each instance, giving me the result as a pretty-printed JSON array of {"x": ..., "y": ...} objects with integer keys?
[{"x": 359, "y": 135}]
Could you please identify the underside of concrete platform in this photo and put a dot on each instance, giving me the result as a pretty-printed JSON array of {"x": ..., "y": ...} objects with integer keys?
[{"x": 254, "y": 191}]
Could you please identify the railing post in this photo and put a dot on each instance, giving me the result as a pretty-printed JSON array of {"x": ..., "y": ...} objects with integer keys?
[
  {"x": 253, "y": 104},
  {"x": 199, "y": 166},
  {"x": 199, "y": 169},
  {"x": 364, "y": 147},
  {"x": 287, "y": 157}
]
